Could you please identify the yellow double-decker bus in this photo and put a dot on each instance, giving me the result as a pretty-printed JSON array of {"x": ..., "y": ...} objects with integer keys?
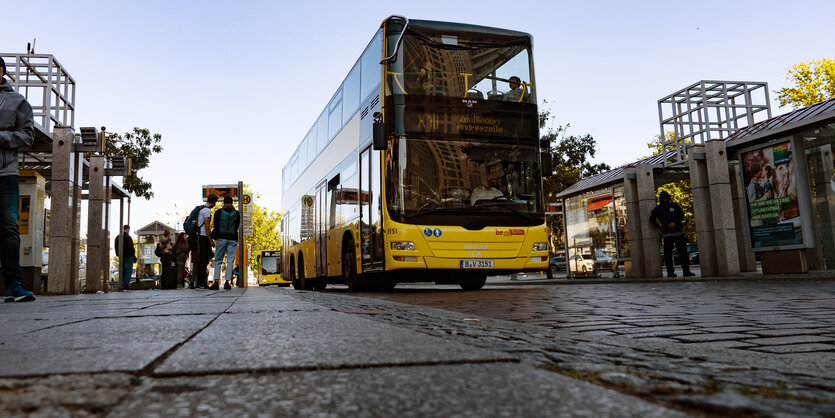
[
  {"x": 425, "y": 165},
  {"x": 269, "y": 268}
]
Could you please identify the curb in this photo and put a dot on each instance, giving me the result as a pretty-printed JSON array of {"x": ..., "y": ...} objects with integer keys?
[{"x": 752, "y": 278}]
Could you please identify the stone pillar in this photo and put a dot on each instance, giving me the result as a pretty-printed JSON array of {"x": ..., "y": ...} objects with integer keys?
[
  {"x": 727, "y": 256},
  {"x": 702, "y": 211},
  {"x": 60, "y": 235},
  {"x": 649, "y": 234},
  {"x": 96, "y": 276},
  {"x": 105, "y": 260},
  {"x": 75, "y": 188},
  {"x": 633, "y": 222},
  {"x": 747, "y": 259}
]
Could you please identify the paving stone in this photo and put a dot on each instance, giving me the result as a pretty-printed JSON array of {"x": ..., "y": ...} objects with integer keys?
[
  {"x": 795, "y": 339},
  {"x": 701, "y": 338},
  {"x": 727, "y": 344},
  {"x": 457, "y": 390},
  {"x": 76, "y": 395},
  {"x": 779, "y": 332},
  {"x": 796, "y": 348},
  {"x": 311, "y": 339},
  {"x": 106, "y": 344}
]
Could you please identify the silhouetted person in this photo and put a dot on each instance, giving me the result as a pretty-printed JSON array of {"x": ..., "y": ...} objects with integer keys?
[{"x": 668, "y": 217}]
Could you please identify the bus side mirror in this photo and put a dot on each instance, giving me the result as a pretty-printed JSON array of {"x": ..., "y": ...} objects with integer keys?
[
  {"x": 379, "y": 136},
  {"x": 547, "y": 164}
]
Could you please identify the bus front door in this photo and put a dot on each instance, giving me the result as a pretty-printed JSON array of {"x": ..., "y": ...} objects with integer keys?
[{"x": 371, "y": 228}]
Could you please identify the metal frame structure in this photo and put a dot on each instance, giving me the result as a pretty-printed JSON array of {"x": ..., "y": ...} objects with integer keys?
[
  {"x": 48, "y": 87},
  {"x": 708, "y": 110}
]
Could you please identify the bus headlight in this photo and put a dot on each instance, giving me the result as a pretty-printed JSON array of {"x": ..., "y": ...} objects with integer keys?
[
  {"x": 403, "y": 246},
  {"x": 540, "y": 246}
]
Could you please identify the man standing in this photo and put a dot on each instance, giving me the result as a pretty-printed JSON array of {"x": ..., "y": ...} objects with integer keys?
[
  {"x": 668, "y": 217},
  {"x": 225, "y": 223},
  {"x": 16, "y": 130},
  {"x": 204, "y": 243},
  {"x": 128, "y": 255}
]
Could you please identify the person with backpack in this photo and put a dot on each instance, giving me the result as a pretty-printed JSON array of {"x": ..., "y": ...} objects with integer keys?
[
  {"x": 226, "y": 222},
  {"x": 196, "y": 226}
]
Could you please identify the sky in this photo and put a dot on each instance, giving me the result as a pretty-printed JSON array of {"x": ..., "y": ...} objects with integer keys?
[{"x": 233, "y": 87}]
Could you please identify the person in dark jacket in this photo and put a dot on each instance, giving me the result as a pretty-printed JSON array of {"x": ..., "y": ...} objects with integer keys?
[
  {"x": 128, "y": 255},
  {"x": 668, "y": 217},
  {"x": 226, "y": 223},
  {"x": 16, "y": 131}
]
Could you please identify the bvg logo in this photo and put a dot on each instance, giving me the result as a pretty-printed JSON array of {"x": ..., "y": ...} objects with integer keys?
[{"x": 510, "y": 232}]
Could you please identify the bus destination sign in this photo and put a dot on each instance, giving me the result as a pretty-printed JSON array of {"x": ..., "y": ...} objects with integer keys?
[{"x": 221, "y": 190}]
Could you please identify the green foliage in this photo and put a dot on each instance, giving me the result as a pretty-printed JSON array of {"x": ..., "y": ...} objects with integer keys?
[
  {"x": 814, "y": 82},
  {"x": 266, "y": 231},
  {"x": 572, "y": 155},
  {"x": 680, "y": 192},
  {"x": 139, "y": 145}
]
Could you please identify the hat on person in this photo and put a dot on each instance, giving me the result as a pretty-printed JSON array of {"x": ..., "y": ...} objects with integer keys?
[{"x": 663, "y": 195}]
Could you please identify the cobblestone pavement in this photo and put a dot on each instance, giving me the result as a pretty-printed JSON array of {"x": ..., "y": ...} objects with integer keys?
[
  {"x": 790, "y": 318},
  {"x": 581, "y": 331}
]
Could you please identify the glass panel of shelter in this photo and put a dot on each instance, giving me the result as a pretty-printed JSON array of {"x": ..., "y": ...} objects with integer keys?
[{"x": 821, "y": 162}]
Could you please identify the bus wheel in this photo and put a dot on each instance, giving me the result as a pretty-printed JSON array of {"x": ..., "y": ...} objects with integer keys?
[
  {"x": 349, "y": 267},
  {"x": 473, "y": 282},
  {"x": 296, "y": 284}
]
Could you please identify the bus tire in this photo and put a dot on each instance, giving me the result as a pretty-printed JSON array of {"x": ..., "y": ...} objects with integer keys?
[
  {"x": 349, "y": 266},
  {"x": 473, "y": 282},
  {"x": 293, "y": 278}
]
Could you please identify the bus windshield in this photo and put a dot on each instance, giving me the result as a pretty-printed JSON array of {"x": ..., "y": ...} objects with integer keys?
[
  {"x": 270, "y": 264},
  {"x": 473, "y": 184},
  {"x": 463, "y": 65}
]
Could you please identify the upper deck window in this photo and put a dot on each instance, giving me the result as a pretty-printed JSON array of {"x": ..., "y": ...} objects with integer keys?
[{"x": 458, "y": 66}]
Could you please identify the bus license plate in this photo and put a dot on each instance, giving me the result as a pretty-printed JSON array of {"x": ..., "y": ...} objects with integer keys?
[{"x": 476, "y": 264}]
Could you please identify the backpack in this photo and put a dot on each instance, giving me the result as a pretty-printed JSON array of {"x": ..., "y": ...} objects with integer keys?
[
  {"x": 190, "y": 224},
  {"x": 227, "y": 222}
]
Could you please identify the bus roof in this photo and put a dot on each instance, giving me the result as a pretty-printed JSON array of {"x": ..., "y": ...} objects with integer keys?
[{"x": 436, "y": 26}]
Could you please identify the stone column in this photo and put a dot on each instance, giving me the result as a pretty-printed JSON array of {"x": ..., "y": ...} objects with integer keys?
[
  {"x": 105, "y": 260},
  {"x": 702, "y": 211},
  {"x": 75, "y": 188},
  {"x": 633, "y": 222},
  {"x": 649, "y": 234},
  {"x": 60, "y": 234},
  {"x": 747, "y": 259},
  {"x": 96, "y": 276},
  {"x": 727, "y": 256}
]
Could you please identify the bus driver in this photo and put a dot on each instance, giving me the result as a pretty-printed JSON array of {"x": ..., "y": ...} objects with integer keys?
[{"x": 485, "y": 191}]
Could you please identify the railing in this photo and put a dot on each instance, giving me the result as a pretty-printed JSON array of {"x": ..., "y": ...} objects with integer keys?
[{"x": 48, "y": 87}]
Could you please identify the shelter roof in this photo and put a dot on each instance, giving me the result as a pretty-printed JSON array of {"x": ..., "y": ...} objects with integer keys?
[
  {"x": 154, "y": 228},
  {"x": 610, "y": 177},
  {"x": 783, "y": 123}
]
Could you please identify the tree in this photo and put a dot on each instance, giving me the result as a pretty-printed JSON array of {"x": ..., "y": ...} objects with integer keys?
[
  {"x": 266, "y": 234},
  {"x": 814, "y": 82},
  {"x": 680, "y": 192},
  {"x": 571, "y": 155},
  {"x": 139, "y": 145}
]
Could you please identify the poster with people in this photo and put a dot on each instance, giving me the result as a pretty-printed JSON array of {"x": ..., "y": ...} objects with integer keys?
[{"x": 771, "y": 194}]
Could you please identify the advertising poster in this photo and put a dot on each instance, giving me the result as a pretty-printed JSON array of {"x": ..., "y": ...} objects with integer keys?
[{"x": 771, "y": 195}]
